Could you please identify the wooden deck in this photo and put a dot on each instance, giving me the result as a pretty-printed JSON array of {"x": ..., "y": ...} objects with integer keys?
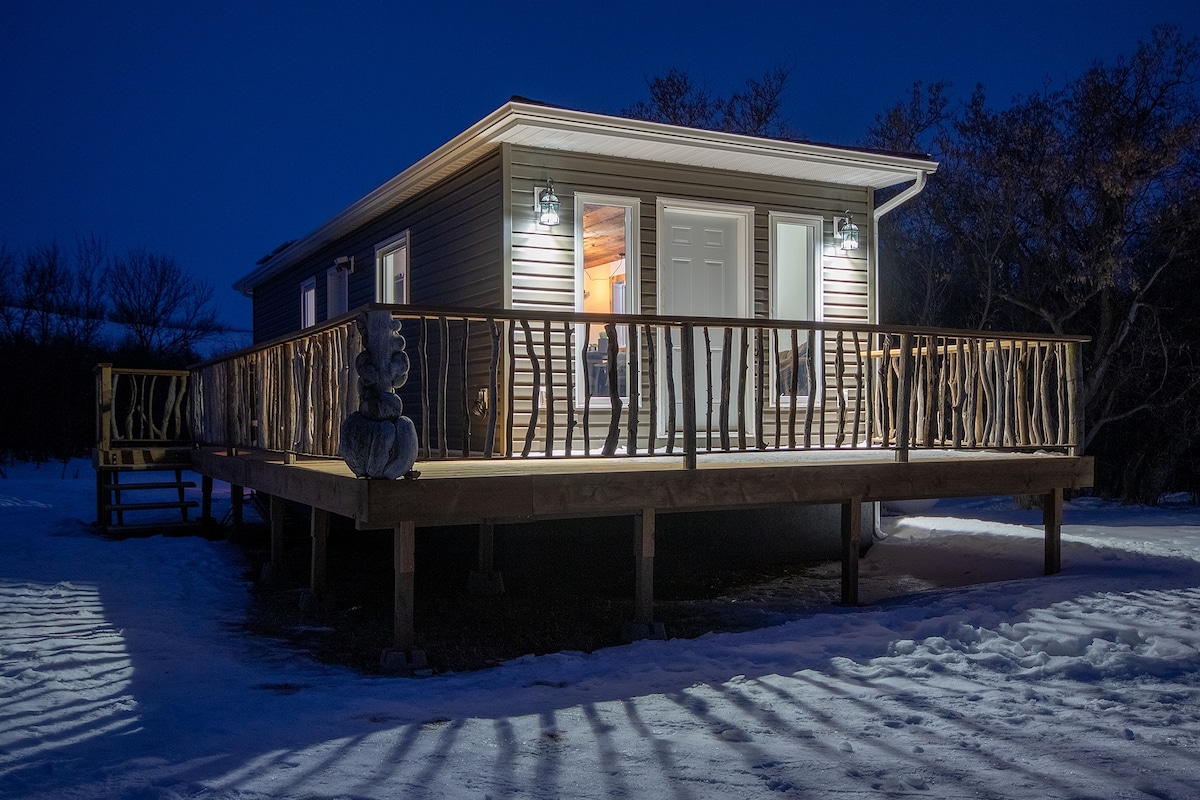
[
  {"x": 488, "y": 491},
  {"x": 517, "y": 489}
]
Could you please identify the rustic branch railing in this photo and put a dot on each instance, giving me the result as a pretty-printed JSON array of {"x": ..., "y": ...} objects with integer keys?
[
  {"x": 141, "y": 407},
  {"x": 523, "y": 384}
]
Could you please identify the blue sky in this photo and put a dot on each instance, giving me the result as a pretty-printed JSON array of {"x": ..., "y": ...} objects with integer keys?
[{"x": 216, "y": 131}]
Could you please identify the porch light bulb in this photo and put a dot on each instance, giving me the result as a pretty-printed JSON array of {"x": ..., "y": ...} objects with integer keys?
[
  {"x": 849, "y": 233},
  {"x": 548, "y": 205}
]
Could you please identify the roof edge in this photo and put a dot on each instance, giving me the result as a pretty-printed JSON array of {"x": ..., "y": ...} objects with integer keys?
[{"x": 483, "y": 135}]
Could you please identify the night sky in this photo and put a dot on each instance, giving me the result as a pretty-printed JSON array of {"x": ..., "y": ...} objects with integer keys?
[{"x": 216, "y": 131}]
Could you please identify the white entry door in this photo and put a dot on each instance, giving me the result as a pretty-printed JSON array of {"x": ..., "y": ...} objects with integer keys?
[{"x": 704, "y": 272}]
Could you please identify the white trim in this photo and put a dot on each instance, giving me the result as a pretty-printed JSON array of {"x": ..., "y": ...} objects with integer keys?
[
  {"x": 816, "y": 288},
  {"x": 744, "y": 217},
  {"x": 817, "y": 223},
  {"x": 308, "y": 303},
  {"x": 633, "y": 260},
  {"x": 384, "y": 284}
]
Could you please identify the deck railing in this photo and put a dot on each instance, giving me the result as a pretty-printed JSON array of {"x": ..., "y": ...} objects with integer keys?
[
  {"x": 141, "y": 407},
  {"x": 519, "y": 384}
]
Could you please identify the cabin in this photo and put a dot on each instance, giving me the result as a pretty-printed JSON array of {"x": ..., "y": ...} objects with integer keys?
[{"x": 620, "y": 318}]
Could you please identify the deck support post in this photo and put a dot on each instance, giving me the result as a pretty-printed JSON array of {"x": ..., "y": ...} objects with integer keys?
[
  {"x": 643, "y": 606},
  {"x": 403, "y": 655},
  {"x": 277, "y": 539},
  {"x": 103, "y": 515},
  {"x": 484, "y": 580},
  {"x": 643, "y": 625},
  {"x": 851, "y": 530},
  {"x": 236, "y": 499},
  {"x": 319, "y": 530},
  {"x": 1052, "y": 514},
  {"x": 206, "y": 490}
]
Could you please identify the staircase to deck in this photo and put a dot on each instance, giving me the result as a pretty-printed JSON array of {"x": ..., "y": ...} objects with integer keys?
[
  {"x": 142, "y": 450},
  {"x": 133, "y": 480}
]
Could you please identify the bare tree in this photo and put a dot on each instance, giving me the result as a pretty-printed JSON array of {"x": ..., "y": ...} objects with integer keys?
[
  {"x": 678, "y": 99},
  {"x": 8, "y": 296},
  {"x": 1070, "y": 210},
  {"x": 164, "y": 310},
  {"x": 84, "y": 306},
  {"x": 50, "y": 295}
]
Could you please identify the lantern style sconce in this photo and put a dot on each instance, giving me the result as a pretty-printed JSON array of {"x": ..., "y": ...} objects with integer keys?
[
  {"x": 547, "y": 205},
  {"x": 847, "y": 231}
]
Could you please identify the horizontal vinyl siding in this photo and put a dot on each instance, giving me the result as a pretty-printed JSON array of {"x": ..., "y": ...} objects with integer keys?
[
  {"x": 544, "y": 258},
  {"x": 455, "y": 253}
]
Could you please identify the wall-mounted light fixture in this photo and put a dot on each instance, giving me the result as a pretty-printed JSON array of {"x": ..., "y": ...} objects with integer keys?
[
  {"x": 546, "y": 204},
  {"x": 845, "y": 229},
  {"x": 344, "y": 263}
]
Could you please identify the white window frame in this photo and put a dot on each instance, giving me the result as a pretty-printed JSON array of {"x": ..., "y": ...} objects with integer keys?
[
  {"x": 633, "y": 259},
  {"x": 384, "y": 284},
  {"x": 816, "y": 294},
  {"x": 308, "y": 303},
  {"x": 337, "y": 292}
]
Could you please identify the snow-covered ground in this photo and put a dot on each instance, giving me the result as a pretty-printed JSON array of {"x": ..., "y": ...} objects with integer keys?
[{"x": 124, "y": 674}]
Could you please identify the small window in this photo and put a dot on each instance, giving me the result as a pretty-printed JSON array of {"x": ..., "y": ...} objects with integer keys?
[
  {"x": 336, "y": 291},
  {"x": 308, "y": 303},
  {"x": 391, "y": 258}
]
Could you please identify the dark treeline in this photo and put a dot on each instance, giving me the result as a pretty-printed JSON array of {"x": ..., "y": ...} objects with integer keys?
[
  {"x": 1073, "y": 209},
  {"x": 62, "y": 311}
]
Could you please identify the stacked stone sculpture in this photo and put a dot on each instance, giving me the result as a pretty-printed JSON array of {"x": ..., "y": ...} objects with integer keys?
[{"x": 378, "y": 441}]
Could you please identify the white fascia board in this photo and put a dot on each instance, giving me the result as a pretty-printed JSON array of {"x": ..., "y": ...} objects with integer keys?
[{"x": 716, "y": 141}]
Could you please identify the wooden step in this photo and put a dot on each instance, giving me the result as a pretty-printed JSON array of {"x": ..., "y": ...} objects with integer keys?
[
  {"x": 132, "y": 459},
  {"x": 119, "y": 507},
  {"x": 131, "y": 487}
]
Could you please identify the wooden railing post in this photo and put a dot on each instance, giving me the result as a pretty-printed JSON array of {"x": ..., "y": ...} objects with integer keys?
[
  {"x": 104, "y": 407},
  {"x": 614, "y": 392},
  {"x": 1074, "y": 368},
  {"x": 903, "y": 396},
  {"x": 687, "y": 355}
]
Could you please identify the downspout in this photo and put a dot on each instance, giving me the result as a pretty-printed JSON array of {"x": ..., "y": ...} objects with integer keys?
[{"x": 889, "y": 206}]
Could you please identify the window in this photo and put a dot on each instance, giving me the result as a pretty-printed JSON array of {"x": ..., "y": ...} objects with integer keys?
[
  {"x": 606, "y": 255},
  {"x": 336, "y": 291},
  {"x": 308, "y": 303},
  {"x": 795, "y": 257},
  {"x": 391, "y": 258}
]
